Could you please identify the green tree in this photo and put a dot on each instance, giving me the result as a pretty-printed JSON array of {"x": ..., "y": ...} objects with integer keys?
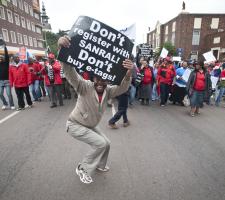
[
  {"x": 51, "y": 41},
  {"x": 169, "y": 46}
]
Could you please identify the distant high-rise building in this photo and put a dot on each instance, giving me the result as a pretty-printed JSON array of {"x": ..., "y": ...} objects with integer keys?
[{"x": 20, "y": 26}]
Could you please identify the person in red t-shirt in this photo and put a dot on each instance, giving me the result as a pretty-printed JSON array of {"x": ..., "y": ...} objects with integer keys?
[
  {"x": 145, "y": 92},
  {"x": 199, "y": 84},
  {"x": 34, "y": 87},
  {"x": 20, "y": 78},
  {"x": 165, "y": 76}
]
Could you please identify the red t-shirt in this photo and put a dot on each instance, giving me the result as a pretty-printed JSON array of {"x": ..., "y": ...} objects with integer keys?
[
  {"x": 147, "y": 76},
  {"x": 199, "y": 82}
]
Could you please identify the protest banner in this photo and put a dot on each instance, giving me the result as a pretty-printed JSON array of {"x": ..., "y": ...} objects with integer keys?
[
  {"x": 164, "y": 53},
  {"x": 98, "y": 49}
]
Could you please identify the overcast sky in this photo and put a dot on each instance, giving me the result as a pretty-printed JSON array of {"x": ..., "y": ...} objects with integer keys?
[{"x": 120, "y": 14}]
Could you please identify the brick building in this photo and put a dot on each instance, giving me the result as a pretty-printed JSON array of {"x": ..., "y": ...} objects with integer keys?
[
  {"x": 192, "y": 34},
  {"x": 20, "y": 26}
]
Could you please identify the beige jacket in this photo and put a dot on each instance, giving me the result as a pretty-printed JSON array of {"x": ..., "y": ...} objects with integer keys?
[{"x": 88, "y": 111}]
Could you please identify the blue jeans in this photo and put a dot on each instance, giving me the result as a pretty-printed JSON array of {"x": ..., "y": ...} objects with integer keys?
[
  {"x": 132, "y": 94},
  {"x": 155, "y": 95},
  {"x": 35, "y": 90},
  {"x": 5, "y": 84},
  {"x": 221, "y": 91}
]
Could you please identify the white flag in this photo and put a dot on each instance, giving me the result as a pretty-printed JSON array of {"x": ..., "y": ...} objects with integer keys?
[{"x": 130, "y": 32}]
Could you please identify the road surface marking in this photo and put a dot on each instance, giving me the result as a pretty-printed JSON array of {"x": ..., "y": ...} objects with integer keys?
[{"x": 9, "y": 116}]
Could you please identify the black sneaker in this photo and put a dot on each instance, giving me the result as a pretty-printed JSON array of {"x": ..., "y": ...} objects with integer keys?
[{"x": 53, "y": 106}]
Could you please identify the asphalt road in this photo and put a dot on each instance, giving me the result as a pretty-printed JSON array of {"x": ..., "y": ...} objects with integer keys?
[{"x": 164, "y": 155}]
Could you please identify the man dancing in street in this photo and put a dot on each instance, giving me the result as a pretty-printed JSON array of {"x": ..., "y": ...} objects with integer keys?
[{"x": 91, "y": 103}]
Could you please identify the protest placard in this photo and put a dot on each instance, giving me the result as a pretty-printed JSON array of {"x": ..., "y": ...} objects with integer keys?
[
  {"x": 145, "y": 50},
  {"x": 186, "y": 74},
  {"x": 164, "y": 53},
  {"x": 176, "y": 58},
  {"x": 214, "y": 81},
  {"x": 98, "y": 49},
  {"x": 209, "y": 57}
]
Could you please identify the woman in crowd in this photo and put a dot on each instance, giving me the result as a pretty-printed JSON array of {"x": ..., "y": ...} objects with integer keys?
[
  {"x": 146, "y": 83},
  {"x": 198, "y": 85}
]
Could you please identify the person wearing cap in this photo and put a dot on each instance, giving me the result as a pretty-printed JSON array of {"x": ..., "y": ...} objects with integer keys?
[
  {"x": 20, "y": 78},
  {"x": 165, "y": 77},
  {"x": 90, "y": 106},
  {"x": 4, "y": 80},
  {"x": 198, "y": 85},
  {"x": 53, "y": 80}
]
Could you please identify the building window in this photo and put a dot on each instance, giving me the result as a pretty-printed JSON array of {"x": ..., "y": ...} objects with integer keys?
[
  {"x": 196, "y": 37},
  {"x": 31, "y": 41},
  {"x": 10, "y": 17},
  {"x": 216, "y": 40},
  {"x": 2, "y": 12},
  {"x": 174, "y": 27},
  {"x": 20, "y": 4},
  {"x": 26, "y": 7},
  {"x": 215, "y": 23},
  {"x": 23, "y": 22},
  {"x": 197, "y": 23},
  {"x": 173, "y": 38},
  {"x": 28, "y": 24},
  {"x": 31, "y": 10},
  {"x": 35, "y": 42},
  {"x": 166, "y": 38},
  {"x": 17, "y": 19},
  {"x": 40, "y": 44},
  {"x": 5, "y": 35},
  {"x": 25, "y": 40},
  {"x": 20, "y": 38},
  {"x": 38, "y": 30},
  {"x": 13, "y": 36},
  {"x": 36, "y": 15},
  {"x": 14, "y": 2},
  {"x": 33, "y": 26},
  {"x": 166, "y": 30}
]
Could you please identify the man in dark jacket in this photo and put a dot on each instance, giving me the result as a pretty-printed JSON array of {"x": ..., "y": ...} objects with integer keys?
[{"x": 4, "y": 80}]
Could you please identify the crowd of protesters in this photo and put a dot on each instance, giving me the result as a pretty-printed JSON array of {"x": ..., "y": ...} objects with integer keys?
[
  {"x": 33, "y": 79},
  {"x": 161, "y": 82}
]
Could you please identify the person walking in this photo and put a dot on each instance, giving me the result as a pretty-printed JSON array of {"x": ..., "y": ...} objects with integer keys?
[
  {"x": 20, "y": 78},
  {"x": 145, "y": 91},
  {"x": 165, "y": 77},
  {"x": 90, "y": 106},
  {"x": 4, "y": 80},
  {"x": 53, "y": 80},
  {"x": 199, "y": 83},
  {"x": 122, "y": 111}
]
